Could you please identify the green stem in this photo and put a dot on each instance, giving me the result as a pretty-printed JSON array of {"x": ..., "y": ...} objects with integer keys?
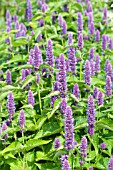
[
  {"x": 14, "y": 132},
  {"x": 80, "y": 70},
  {"x": 40, "y": 103}
]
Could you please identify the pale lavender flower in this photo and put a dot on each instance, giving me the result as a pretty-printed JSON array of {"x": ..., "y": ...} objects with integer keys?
[
  {"x": 108, "y": 86},
  {"x": 76, "y": 91},
  {"x": 109, "y": 70},
  {"x": 80, "y": 41},
  {"x": 65, "y": 163},
  {"x": 60, "y": 19},
  {"x": 63, "y": 106},
  {"x": 106, "y": 65},
  {"x": 91, "y": 168},
  {"x": 83, "y": 147},
  {"x": 91, "y": 55},
  {"x": 91, "y": 115},
  {"x": 64, "y": 27},
  {"x": 23, "y": 75},
  {"x": 87, "y": 73},
  {"x": 37, "y": 58},
  {"x": 92, "y": 66},
  {"x": 72, "y": 59},
  {"x": 37, "y": 78},
  {"x": 103, "y": 145},
  {"x": 86, "y": 37},
  {"x": 28, "y": 11},
  {"x": 3, "y": 128},
  {"x": 62, "y": 76},
  {"x": 97, "y": 64},
  {"x": 55, "y": 88},
  {"x": 57, "y": 143},
  {"x": 95, "y": 92},
  {"x": 67, "y": 66},
  {"x": 8, "y": 77},
  {"x": 40, "y": 22},
  {"x": 110, "y": 164},
  {"x": 110, "y": 45},
  {"x": 10, "y": 104},
  {"x": 31, "y": 99},
  {"x": 89, "y": 7},
  {"x": 104, "y": 42},
  {"x": 14, "y": 18},
  {"x": 105, "y": 13},
  {"x": 69, "y": 129},
  {"x": 79, "y": 23},
  {"x": 22, "y": 120},
  {"x": 44, "y": 7},
  {"x": 97, "y": 36},
  {"x": 39, "y": 38},
  {"x": 70, "y": 38},
  {"x": 100, "y": 98},
  {"x": 91, "y": 28},
  {"x": 49, "y": 53}
]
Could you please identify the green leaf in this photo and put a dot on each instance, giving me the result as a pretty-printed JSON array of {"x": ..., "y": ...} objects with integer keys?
[
  {"x": 32, "y": 143},
  {"x": 8, "y": 88},
  {"x": 13, "y": 147},
  {"x": 54, "y": 93},
  {"x": 42, "y": 156},
  {"x": 19, "y": 42},
  {"x": 48, "y": 129},
  {"x": 28, "y": 80},
  {"x": 56, "y": 106}
]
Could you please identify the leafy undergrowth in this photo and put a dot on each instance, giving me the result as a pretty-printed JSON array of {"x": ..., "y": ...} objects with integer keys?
[{"x": 34, "y": 81}]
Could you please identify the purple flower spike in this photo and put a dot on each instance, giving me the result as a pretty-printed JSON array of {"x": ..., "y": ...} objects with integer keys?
[
  {"x": 91, "y": 115},
  {"x": 28, "y": 12},
  {"x": 95, "y": 92},
  {"x": 65, "y": 163},
  {"x": 3, "y": 128},
  {"x": 104, "y": 41},
  {"x": 105, "y": 13},
  {"x": 106, "y": 65},
  {"x": 57, "y": 143},
  {"x": 110, "y": 44},
  {"x": 49, "y": 54},
  {"x": 65, "y": 8},
  {"x": 69, "y": 129},
  {"x": 79, "y": 23},
  {"x": 22, "y": 120},
  {"x": 72, "y": 59},
  {"x": 44, "y": 7},
  {"x": 70, "y": 38},
  {"x": 37, "y": 78},
  {"x": 55, "y": 88},
  {"x": 63, "y": 106},
  {"x": 37, "y": 58},
  {"x": 97, "y": 37},
  {"x": 60, "y": 20},
  {"x": 83, "y": 147},
  {"x": 31, "y": 99},
  {"x": 15, "y": 18},
  {"x": 64, "y": 27},
  {"x": 91, "y": 28},
  {"x": 80, "y": 41},
  {"x": 92, "y": 66},
  {"x": 97, "y": 64},
  {"x": 91, "y": 55},
  {"x": 109, "y": 70},
  {"x": 87, "y": 73},
  {"x": 10, "y": 104},
  {"x": 89, "y": 7},
  {"x": 91, "y": 168},
  {"x": 108, "y": 86},
  {"x": 41, "y": 23},
  {"x": 103, "y": 145},
  {"x": 8, "y": 77},
  {"x": 67, "y": 66},
  {"x": 76, "y": 91},
  {"x": 62, "y": 76},
  {"x": 23, "y": 75},
  {"x": 110, "y": 164},
  {"x": 100, "y": 98}
]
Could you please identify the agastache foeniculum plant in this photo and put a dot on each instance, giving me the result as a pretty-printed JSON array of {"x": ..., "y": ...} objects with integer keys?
[{"x": 56, "y": 85}]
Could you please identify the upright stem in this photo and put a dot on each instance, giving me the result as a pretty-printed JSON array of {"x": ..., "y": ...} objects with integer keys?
[{"x": 40, "y": 103}]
